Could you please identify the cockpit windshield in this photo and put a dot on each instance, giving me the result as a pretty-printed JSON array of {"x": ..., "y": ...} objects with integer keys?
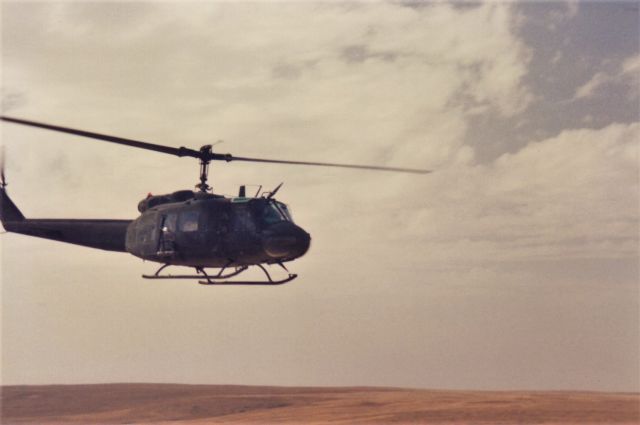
[
  {"x": 285, "y": 210},
  {"x": 275, "y": 212},
  {"x": 271, "y": 214}
]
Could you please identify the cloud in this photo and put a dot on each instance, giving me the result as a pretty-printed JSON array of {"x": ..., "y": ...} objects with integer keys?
[
  {"x": 359, "y": 83},
  {"x": 362, "y": 83},
  {"x": 572, "y": 196},
  {"x": 627, "y": 73},
  {"x": 560, "y": 13},
  {"x": 631, "y": 66},
  {"x": 588, "y": 89}
]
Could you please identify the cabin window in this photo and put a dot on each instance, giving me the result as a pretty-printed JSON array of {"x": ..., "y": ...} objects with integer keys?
[
  {"x": 244, "y": 219},
  {"x": 189, "y": 221},
  {"x": 170, "y": 222}
]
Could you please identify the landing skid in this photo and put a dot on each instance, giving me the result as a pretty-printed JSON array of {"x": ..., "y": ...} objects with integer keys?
[{"x": 220, "y": 277}]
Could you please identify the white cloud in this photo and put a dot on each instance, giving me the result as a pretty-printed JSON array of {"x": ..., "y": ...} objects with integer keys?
[
  {"x": 631, "y": 66},
  {"x": 575, "y": 195},
  {"x": 627, "y": 73},
  {"x": 558, "y": 16},
  {"x": 589, "y": 88},
  {"x": 415, "y": 78},
  {"x": 363, "y": 83},
  {"x": 359, "y": 83}
]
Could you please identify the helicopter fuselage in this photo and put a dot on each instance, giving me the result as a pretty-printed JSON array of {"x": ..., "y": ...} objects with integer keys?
[
  {"x": 214, "y": 231},
  {"x": 186, "y": 228}
]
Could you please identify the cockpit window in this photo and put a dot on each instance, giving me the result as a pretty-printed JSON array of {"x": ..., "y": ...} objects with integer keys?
[
  {"x": 285, "y": 210},
  {"x": 271, "y": 214}
]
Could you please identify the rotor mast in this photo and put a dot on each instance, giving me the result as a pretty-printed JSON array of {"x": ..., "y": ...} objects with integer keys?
[{"x": 205, "y": 155}]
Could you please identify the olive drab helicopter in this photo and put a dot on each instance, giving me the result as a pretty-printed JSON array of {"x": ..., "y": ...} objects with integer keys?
[{"x": 197, "y": 229}]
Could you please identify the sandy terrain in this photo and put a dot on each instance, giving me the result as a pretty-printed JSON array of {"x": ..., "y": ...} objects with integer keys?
[{"x": 200, "y": 404}]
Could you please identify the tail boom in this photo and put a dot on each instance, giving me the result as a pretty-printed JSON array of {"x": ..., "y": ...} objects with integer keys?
[
  {"x": 109, "y": 235},
  {"x": 102, "y": 234}
]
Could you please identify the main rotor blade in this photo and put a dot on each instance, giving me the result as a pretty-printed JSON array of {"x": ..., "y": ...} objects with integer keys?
[
  {"x": 328, "y": 164},
  {"x": 182, "y": 151},
  {"x": 203, "y": 154}
]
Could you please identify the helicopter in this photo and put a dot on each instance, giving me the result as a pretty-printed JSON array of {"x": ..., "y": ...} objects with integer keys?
[{"x": 197, "y": 229}]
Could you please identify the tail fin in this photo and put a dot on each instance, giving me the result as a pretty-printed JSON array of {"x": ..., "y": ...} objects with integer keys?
[{"x": 8, "y": 210}]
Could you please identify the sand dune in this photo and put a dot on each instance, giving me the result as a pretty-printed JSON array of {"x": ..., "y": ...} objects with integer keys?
[{"x": 200, "y": 404}]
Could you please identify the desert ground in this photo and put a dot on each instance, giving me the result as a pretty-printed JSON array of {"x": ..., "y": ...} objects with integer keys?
[{"x": 205, "y": 404}]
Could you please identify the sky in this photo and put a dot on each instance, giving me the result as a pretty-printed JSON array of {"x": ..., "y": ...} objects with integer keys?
[{"x": 514, "y": 265}]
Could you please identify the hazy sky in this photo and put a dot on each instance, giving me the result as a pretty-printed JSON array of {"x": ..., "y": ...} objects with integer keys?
[{"x": 513, "y": 266}]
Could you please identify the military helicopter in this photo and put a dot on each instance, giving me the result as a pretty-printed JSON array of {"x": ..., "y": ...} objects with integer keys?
[{"x": 197, "y": 229}]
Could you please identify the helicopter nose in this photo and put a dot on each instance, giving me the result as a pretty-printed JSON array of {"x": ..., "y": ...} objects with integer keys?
[{"x": 285, "y": 241}]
